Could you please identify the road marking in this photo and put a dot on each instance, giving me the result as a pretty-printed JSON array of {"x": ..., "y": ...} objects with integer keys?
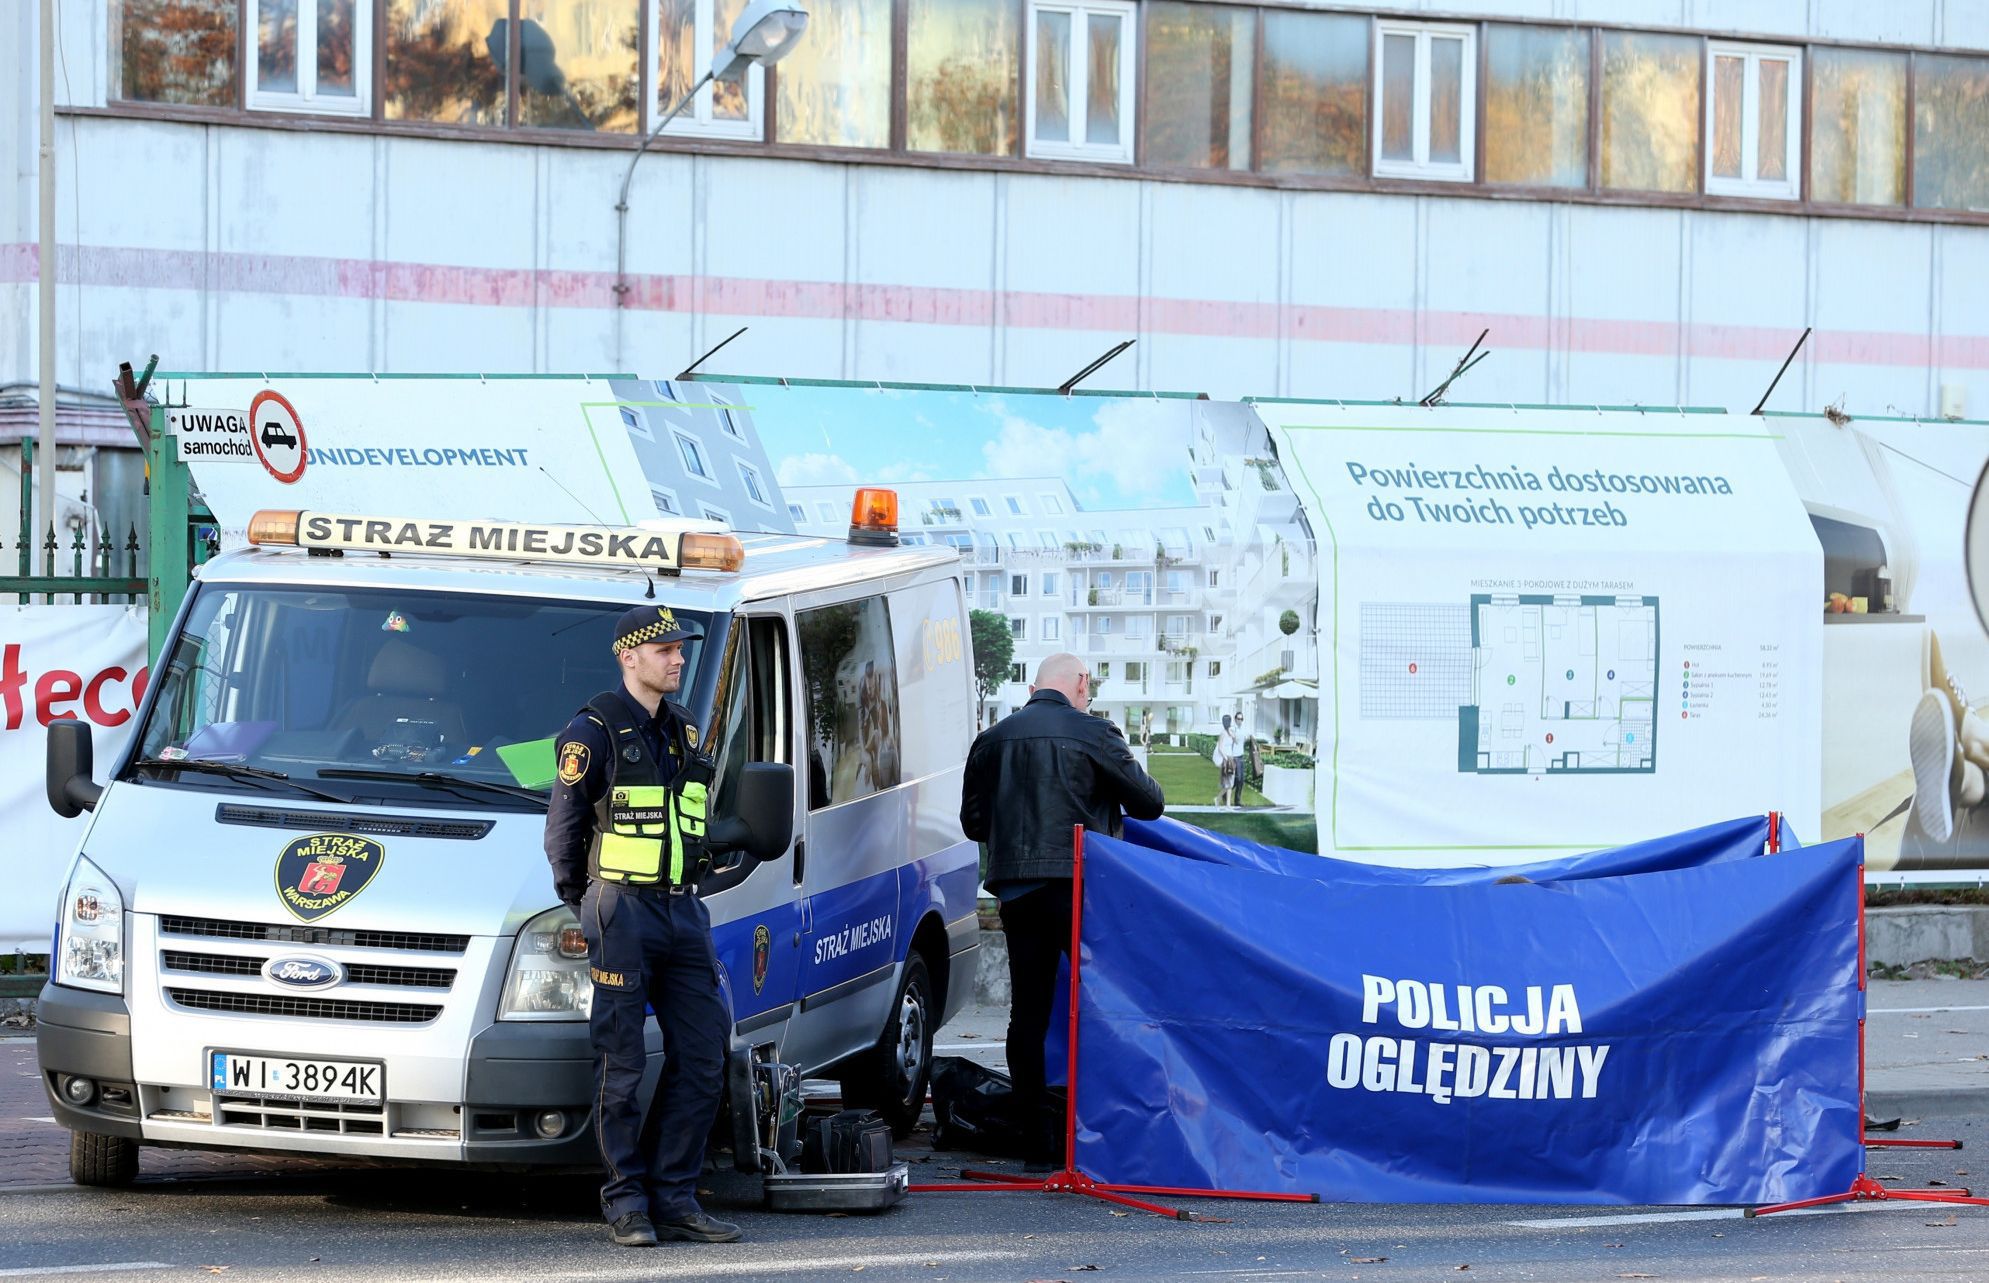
[
  {"x": 38, "y": 1270},
  {"x": 1701, "y": 1214},
  {"x": 696, "y": 1269},
  {"x": 38, "y": 1118},
  {"x": 1918, "y": 1011}
]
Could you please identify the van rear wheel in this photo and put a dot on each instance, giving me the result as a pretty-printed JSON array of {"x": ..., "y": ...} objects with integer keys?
[
  {"x": 109, "y": 1161},
  {"x": 891, "y": 1077}
]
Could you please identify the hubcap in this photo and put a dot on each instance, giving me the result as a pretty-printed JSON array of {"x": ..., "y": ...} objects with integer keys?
[{"x": 910, "y": 1058}]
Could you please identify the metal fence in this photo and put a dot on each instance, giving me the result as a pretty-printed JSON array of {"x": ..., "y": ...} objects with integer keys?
[{"x": 87, "y": 570}]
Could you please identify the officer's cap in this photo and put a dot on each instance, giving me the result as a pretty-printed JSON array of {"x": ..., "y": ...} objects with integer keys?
[{"x": 650, "y": 624}]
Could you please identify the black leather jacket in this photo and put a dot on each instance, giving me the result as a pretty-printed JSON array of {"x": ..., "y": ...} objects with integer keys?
[{"x": 1039, "y": 771}]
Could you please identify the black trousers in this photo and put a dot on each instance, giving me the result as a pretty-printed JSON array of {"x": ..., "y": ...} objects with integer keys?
[
  {"x": 1037, "y": 926},
  {"x": 652, "y": 950}
]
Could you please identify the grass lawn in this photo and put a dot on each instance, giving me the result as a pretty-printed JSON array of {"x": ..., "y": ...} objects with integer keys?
[{"x": 1189, "y": 779}]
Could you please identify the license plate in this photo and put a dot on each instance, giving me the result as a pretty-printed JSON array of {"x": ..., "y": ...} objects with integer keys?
[{"x": 290, "y": 1078}]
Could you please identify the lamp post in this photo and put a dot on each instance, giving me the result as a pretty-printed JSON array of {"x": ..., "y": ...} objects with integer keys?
[{"x": 766, "y": 32}]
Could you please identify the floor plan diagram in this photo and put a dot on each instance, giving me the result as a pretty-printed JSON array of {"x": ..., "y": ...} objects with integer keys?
[{"x": 1560, "y": 684}]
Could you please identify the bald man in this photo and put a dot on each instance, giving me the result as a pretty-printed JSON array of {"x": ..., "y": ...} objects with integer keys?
[{"x": 1031, "y": 778}]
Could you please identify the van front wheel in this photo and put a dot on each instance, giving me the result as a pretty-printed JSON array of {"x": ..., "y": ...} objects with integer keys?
[
  {"x": 891, "y": 1077},
  {"x": 110, "y": 1161}
]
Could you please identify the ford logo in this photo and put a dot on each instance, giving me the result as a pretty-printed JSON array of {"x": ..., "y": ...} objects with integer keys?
[{"x": 303, "y": 973}]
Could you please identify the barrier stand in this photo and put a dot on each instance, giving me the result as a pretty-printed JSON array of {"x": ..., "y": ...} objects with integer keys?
[
  {"x": 1864, "y": 1188},
  {"x": 1774, "y": 848},
  {"x": 1070, "y": 1180}
]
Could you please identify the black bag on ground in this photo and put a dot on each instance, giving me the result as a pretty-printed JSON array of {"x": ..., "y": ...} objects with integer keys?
[
  {"x": 855, "y": 1140},
  {"x": 973, "y": 1109}
]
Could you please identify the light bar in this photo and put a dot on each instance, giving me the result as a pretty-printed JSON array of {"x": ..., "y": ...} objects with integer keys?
[{"x": 498, "y": 540}]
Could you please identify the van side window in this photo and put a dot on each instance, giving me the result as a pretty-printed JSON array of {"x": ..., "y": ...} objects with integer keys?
[{"x": 851, "y": 675}]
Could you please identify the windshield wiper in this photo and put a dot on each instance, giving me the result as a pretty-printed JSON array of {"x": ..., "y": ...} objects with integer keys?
[
  {"x": 434, "y": 780},
  {"x": 234, "y": 771}
]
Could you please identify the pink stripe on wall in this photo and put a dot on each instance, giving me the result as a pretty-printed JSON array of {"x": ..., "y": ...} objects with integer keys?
[{"x": 306, "y": 276}]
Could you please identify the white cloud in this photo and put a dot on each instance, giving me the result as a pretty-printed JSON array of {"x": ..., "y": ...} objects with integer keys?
[
  {"x": 815, "y": 470},
  {"x": 1139, "y": 446}
]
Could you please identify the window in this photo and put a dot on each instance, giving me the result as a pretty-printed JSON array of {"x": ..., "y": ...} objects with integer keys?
[
  {"x": 176, "y": 51},
  {"x": 1135, "y": 671},
  {"x": 1215, "y": 668},
  {"x": 1018, "y": 672},
  {"x": 577, "y": 65},
  {"x": 1052, "y": 506},
  {"x": 438, "y": 61},
  {"x": 1423, "y": 101},
  {"x": 1014, "y": 505},
  {"x": 1018, "y": 585},
  {"x": 688, "y": 34},
  {"x": 1177, "y": 625},
  {"x": 967, "y": 585},
  {"x": 1018, "y": 627},
  {"x": 1049, "y": 583},
  {"x": 980, "y": 507},
  {"x": 1857, "y": 127},
  {"x": 727, "y": 421},
  {"x": 1313, "y": 87},
  {"x": 1051, "y": 626},
  {"x": 1198, "y": 85},
  {"x": 1046, "y": 538},
  {"x": 1081, "y": 80},
  {"x": 633, "y": 421},
  {"x": 756, "y": 489},
  {"x": 796, "y": 513},
  {"x": 1950, "y": 132},
  {"x": 666, "y": 502},
  {"x": 1177, "y": 671},
  {"x": 1650, "y": 112},
  {"x": 1753, "y": 121},
  {"x": 849, "y": 670},
  {"x": 1536, "y": 106},
  {"x": 835, "y": 88},
  {"x": 827, "y": 511},
  {"x": 961, "y": 67},
  {"x": 1102, "y": 625},
  {"x": 693, "y": 454},
  {"x": 311, "y": 55},
  {"x": 719, "y": 515},
  {"x": 1015, "y": 538},
  {"x": 1102, "y": 669},
  {"x": 1139, "y": 626}
]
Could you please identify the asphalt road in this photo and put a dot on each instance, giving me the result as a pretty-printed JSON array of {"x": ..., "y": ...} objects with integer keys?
[{"x": 425, "y": 1225}]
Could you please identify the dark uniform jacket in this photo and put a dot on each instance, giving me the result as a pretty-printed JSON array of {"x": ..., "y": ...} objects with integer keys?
[
  {"x": 1039, "y": 771},
  {"x": 570, "y": 817}
]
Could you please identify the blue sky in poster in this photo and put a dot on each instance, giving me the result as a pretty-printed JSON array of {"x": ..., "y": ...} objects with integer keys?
[{"x": 1114, "y": 453}]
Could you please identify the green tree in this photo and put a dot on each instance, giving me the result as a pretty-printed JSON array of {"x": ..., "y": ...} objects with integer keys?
[{"x": 994, "y": 651}]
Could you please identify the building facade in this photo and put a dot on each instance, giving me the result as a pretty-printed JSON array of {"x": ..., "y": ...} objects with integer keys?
[{"x": 1643, "y": 201}]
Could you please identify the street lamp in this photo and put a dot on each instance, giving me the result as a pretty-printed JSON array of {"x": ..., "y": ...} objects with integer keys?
[{"x": 764, "y": 34}]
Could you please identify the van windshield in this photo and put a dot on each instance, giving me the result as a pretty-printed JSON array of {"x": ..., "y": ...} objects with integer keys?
[{"x": 324, "y": 684}]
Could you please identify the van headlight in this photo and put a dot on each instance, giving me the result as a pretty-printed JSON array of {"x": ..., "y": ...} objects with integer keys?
[
  {"x": 549, "y": 978},
  {"x": 91, "y": 921}
]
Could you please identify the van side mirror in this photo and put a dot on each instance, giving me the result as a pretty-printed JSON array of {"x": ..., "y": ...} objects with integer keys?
[
  {"x": 71, "y": 791},
  {"x": 762, "y": 823}
]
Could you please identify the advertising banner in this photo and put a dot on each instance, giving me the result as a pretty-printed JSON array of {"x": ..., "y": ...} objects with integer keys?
[
  {"x": 1550, "y": 631},
  {"x": 1614, "y": 1040},
  {"x": 84, "y": 662}
]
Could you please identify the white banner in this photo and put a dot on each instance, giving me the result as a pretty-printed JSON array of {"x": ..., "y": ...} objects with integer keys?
[
  {"x": 1554, "y": 631},
  {"x": 540, "y": 449},
  {"x": 56, "y": 662}
]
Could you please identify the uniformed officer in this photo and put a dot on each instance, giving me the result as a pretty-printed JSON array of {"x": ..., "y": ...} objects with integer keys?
[{"x": 625, "y": 836}]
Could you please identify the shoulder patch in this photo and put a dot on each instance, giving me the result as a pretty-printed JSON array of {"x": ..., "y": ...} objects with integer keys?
[
  {"x": 691, "y": 734},
  {"x": 572, "y": 762}
]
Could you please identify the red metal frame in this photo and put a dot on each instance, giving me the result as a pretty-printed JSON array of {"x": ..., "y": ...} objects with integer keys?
[
  {"x": 1865, "y": 1189},
  {"x": 1070, "y": 1180}
]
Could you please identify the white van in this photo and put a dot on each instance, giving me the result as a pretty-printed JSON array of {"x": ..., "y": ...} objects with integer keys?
[{"x": 312, "y": 911}]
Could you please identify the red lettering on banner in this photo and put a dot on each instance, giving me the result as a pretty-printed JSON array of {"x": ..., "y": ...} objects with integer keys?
[
  {"x": 93, "y": 699},
  {"x": 47, "y": 696},
  {"x": 57, "y": 688}
]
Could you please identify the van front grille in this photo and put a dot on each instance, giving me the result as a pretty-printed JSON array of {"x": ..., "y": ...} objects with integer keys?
[
  {"x": 215, "y": 964},
  {"x": 279, "y": 933},
  {"x": 295, "y": 1116},
  {"x": 253, "y": 1004}
]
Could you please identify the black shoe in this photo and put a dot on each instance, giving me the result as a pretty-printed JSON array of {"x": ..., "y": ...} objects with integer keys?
[
  {"x": 699, "y": 1227},
  {"x": 634, "y": 1230}
]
